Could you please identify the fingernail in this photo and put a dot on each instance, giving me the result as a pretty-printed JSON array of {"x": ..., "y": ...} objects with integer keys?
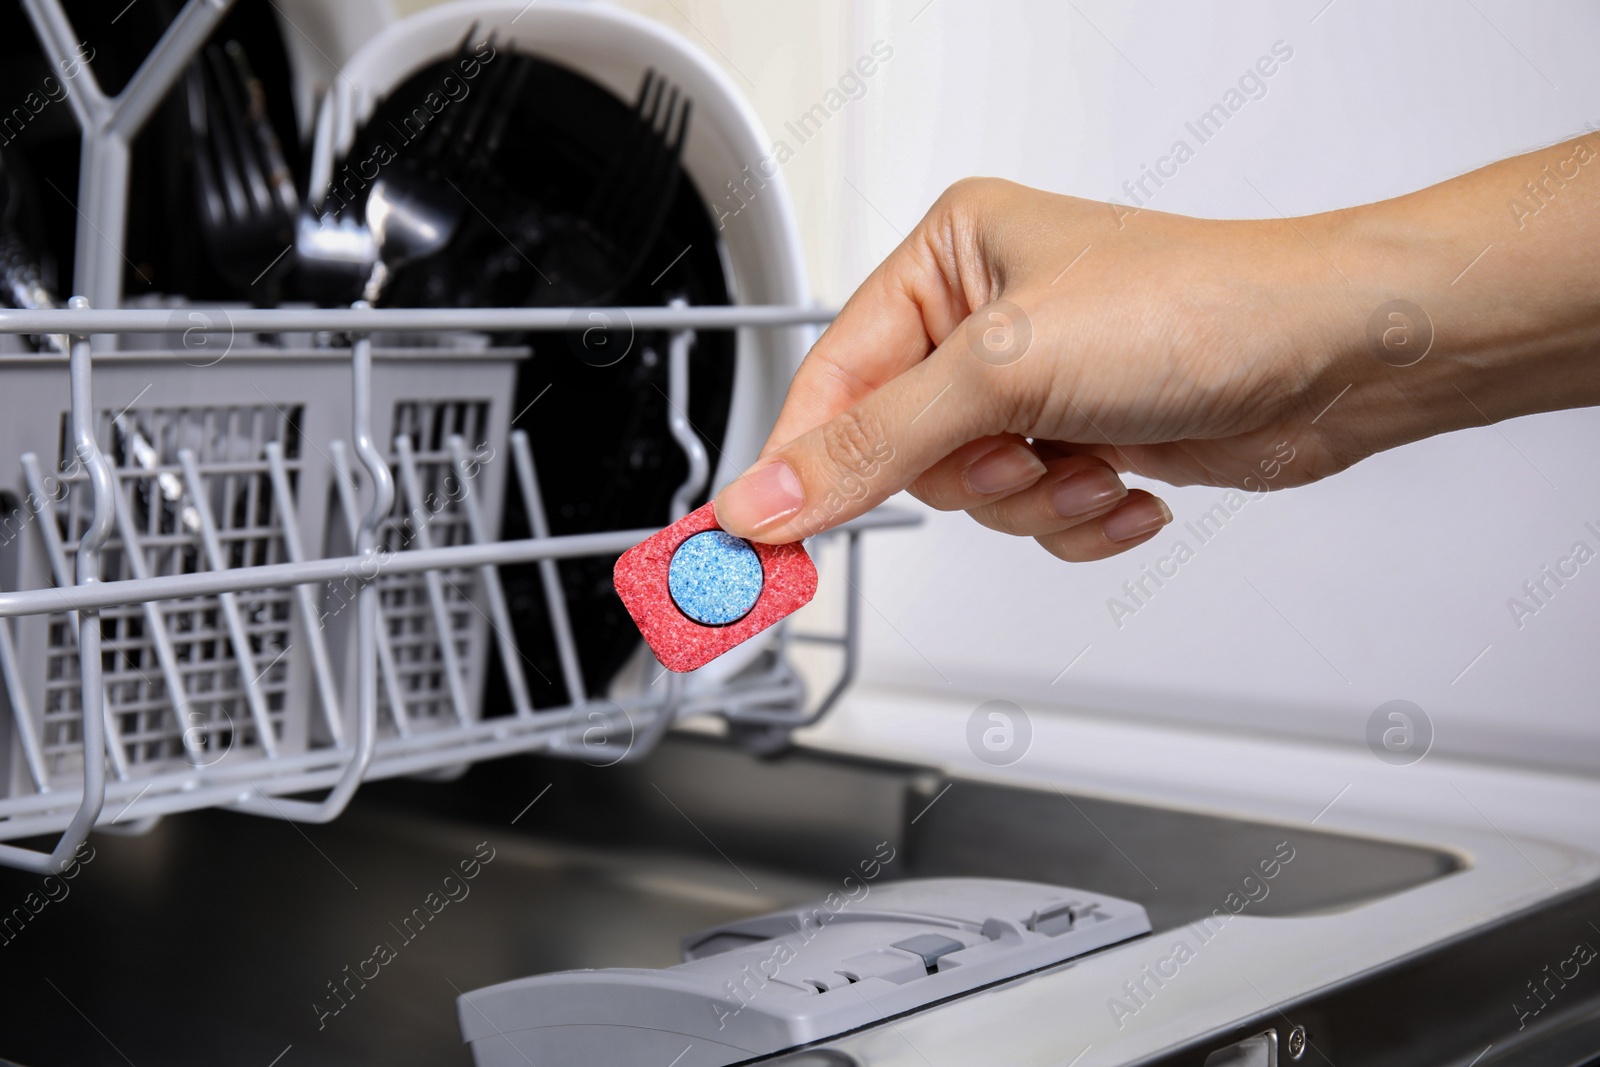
[
  {"x": 762, "y": 497},
  {"x": 1136, "y": 520},
  {"x": 1007, "y": 467},
  {"x": 1085, "y": 492}
]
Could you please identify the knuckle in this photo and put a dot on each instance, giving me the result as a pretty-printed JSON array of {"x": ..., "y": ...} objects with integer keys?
[
  {"x": 1015, "y": 514},
  {"x": 960, "y": 212},
  {"x": 1023, "y": 403},
  {"x": 964, "y": 189},
  {"x": 934, "y": 490},
  {"x": 852, "y": 443},
  {"x": 989, "y": 516},
  {"x": 973, "y": 190},
  {"x": 1004, "y": 402},
  {"x": 841, "y": 469},
  {"x": 973, "y": 206},
  {"x": 1075, "y": 547},
  {"x": 1061, "y": 548}
]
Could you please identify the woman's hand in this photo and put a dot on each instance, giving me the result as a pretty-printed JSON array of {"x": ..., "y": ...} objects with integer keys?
[
  {"x": 1021, "y": 348},
  {"x": 1173, "y": 347}
]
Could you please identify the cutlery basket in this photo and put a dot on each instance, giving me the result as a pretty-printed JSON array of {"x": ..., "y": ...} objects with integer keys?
[{"x": 251, "y": 566}]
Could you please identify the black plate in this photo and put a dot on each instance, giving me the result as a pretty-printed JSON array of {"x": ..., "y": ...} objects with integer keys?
[{"x": 606, "y": 458}]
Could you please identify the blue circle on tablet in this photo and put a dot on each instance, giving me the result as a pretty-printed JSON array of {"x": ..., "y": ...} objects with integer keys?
[{"x": 715, "y": 578}]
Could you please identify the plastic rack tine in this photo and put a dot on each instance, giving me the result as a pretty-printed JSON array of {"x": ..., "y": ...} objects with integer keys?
[
  {"x": 555, "y": 597},
  {"x": 678, "y": 421},
  {"x": 321, "y": 666},
  {"x": 851, "y": 638},
  {"x": 694, "y": 451},
  {"x": 665, "y": 713},
  {"x": 21, "y": 711},
  {"x": 367, "y": 618},
  {"x": 94, "y": 738},
  {"x": 133, "y": 552},
  {"x": 238, "y": 636},
  {"x": 109, "y": 124},
  {"x": 57, "y": 551},
  {"x": 493, "y": 591},
  {"x": 386, "y": 663},
  {"x": 433, "y": 581},
  {"x": 60, "y": 42},
  {"x": 184, "y": 37},
  {"x": 849, "y": 642}
]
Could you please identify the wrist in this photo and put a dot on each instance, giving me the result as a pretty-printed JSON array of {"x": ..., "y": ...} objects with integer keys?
[{"x": 1439, "y": 316}]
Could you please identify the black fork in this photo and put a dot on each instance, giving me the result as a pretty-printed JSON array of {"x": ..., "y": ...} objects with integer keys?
[
  {"x": 630, "y": 204},
  {"x": 425, "y": 196},
  {"x": 247, "y": 198},
  {"x": 462, "y": 145}
]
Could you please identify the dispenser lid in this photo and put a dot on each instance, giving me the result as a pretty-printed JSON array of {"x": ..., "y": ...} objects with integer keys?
[{"x": 762, "y": 985}]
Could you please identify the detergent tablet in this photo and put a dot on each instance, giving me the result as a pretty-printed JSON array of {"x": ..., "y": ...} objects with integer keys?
[
  {"x": 715, "y": 578},
  {"x": 695, "y": 590}
]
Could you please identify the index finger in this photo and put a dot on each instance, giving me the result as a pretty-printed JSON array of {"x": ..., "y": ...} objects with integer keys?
[{"x": 889, "y": 325}]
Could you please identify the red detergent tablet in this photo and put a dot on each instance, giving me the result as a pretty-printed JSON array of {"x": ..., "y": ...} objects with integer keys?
[{"x": 695, "y": 590}]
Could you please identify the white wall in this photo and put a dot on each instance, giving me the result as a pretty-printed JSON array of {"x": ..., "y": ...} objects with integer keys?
[{"x": 1313, "y": 606}]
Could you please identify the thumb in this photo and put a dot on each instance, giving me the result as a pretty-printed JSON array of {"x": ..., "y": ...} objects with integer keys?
[{"x": 864, "y": 455}]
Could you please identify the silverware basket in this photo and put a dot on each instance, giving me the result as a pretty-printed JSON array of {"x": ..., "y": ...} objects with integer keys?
[
  {"x": 247, "y": 554},
  {"x": 234, "y": 579}
]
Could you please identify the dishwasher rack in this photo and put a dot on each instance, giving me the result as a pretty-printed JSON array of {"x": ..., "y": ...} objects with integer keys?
[{"x": 205, "y": 672}]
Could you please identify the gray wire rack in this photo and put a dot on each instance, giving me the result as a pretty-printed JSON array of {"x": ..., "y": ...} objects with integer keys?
[
  {"x": 179, "y": 636},
  {"x": 215, "y": 580}
]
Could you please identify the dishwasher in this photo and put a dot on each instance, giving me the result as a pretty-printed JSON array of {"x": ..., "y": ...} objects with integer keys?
[{"x": 326, "y": 741}]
